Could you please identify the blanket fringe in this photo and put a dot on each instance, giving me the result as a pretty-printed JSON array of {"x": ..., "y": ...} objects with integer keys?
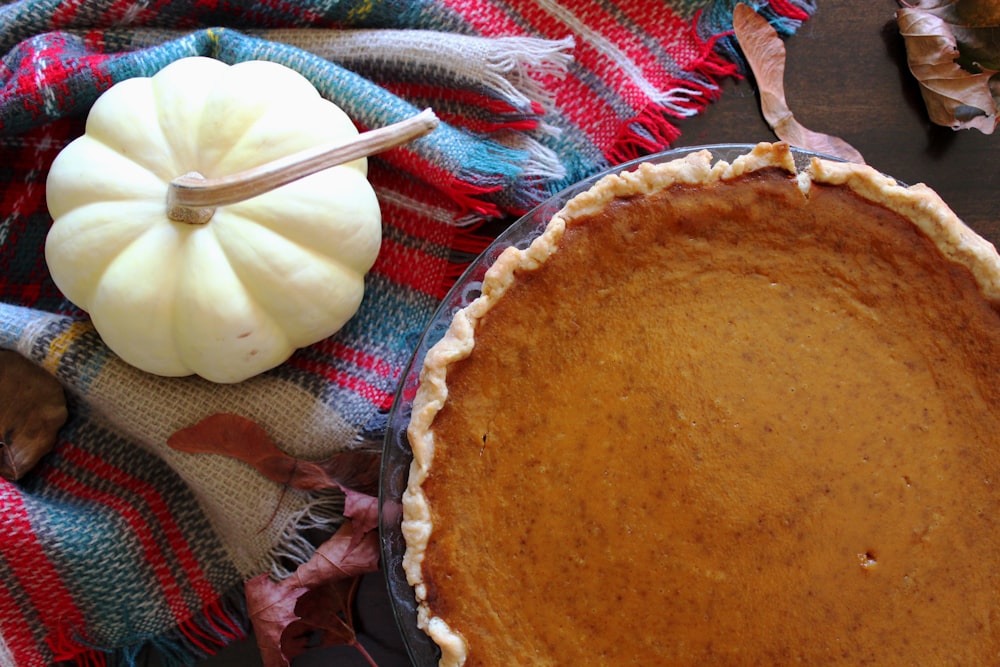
[
  {"x": 785, "y": 15},
  {"x": 66, "y": 648},
  {"x": 468, "y": 245},
  {"x": 306, "y": 531},
  {"x": 649, "y": 132},
  {"x": 513, "y": 68},
  {"x": 494, "y": 180},
  {"x": 196, "y": 638},
  {"x": 542, "y": 162},
  {"x": 518, "y": 66},
  {"x": 536, "y": 167},
  {"x": 471, "y": 243},
  {"x": 653, "y": 129}
]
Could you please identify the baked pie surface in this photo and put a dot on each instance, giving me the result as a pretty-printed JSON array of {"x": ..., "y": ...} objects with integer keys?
[{"x": 718, "y": 414}]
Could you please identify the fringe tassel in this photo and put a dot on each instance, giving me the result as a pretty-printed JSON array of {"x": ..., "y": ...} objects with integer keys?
[
  {"x": 503, "y": 162},
  {"x": 713, "y": 64},
  {"x": 216, "y": 627},
  {"x": 796, "y": 11},
  {"x": 653, "y": 129},
  {"x": 487, "y": 168},
  {"x": 306, "y": 530},
  {"x": 785, "y": 15},
  {"x": 470, "y": 242},
  {"x": 542, "y": 162},
  {"x": 468, "y": 246},
  {"x": 649, "y": 132},
  {"x": 494, "y": 179},
  {"x": 512, "y": 68},
  {"x": 197, "y": 638},
  {"x": 67, "y": 647},
  {"x": 537, "y": 168},
  {"x": 518, "y": 65},
  {"x": 528, "y": 163}
]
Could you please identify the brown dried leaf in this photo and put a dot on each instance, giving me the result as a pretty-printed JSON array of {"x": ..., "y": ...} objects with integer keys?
[
  {"x": 329, "y": 608},
  {"x": 363, "y": 510},
  {"x": 955, "y": 96},
  {"x": 969, "y": 13},
  {"x": 271, "y": 605},
  {"x": 243, "y": 439},
  {"x": 32, "y": 410},
  {"x": 319, "y": 595},
  {"x": 975, "y": 25},
  {"x": 765, "y": 53}
]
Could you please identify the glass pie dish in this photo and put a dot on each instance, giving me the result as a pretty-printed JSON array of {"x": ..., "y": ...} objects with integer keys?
[{"x": 397, "y": 455}]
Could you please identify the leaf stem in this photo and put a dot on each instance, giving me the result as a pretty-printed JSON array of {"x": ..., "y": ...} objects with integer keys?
[{"x": 364, "y": 653}]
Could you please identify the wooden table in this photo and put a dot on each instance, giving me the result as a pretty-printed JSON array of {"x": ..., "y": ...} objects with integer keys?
[{"x": 847, "y": 76}]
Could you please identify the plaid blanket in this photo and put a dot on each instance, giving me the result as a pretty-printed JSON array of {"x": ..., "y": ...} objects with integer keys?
[{"x": 115, "y": 543}]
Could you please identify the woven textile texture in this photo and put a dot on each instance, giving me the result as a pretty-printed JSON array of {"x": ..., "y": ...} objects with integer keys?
[{"x": 115, "y": 544}]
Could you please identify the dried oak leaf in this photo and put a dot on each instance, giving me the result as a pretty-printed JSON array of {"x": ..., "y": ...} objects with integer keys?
[
  {"x": 32, "y": 410},
  {"x": 245, "y": 440},
  {"x": 319, "y": 595},
  {"x": 953, "y": 50},
  {"x": 765, "y": 53}
]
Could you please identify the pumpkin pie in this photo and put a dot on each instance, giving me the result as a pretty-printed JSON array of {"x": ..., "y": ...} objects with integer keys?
[{"x": 718, "y": 414}]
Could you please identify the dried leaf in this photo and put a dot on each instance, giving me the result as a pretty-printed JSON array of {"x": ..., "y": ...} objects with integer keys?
[
  {"x": 243, "y": 439},
  {"x": 271, "y": 606},
  {"x": 363, "y": 508},
  {"x": 765, "y": 52},
  {"x": 319, "y": 595},
  {"x": 953, "y": 50},
  {"x": 329, "y": 609},
  {"x": 968, "y": 13},
  {"x": 32, "y": 410}
]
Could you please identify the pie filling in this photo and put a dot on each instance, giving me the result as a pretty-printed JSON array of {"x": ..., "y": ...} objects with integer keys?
[{"x": 729, "y": 422}]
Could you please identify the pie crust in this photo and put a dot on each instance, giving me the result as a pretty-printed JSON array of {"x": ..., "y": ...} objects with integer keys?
[{"x": 722, "y": 413}]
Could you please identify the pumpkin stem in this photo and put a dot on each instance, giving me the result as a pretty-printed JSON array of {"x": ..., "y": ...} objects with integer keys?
[
  {"x": 192, "y": 198},
  {"x": 192, "y": 215}
]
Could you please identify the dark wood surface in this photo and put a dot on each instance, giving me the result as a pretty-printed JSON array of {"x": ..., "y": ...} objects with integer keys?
[{"x": 847, "y": 76}]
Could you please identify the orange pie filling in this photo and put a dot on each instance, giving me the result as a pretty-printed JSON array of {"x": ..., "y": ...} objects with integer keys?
[{"x": 732, "y": 416}]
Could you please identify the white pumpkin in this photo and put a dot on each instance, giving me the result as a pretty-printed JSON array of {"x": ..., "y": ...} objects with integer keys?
[{"x": 235, "y": 296}]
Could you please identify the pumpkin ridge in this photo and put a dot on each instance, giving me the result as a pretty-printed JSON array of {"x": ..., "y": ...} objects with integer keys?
[
  {"x": 335, "y": 125},
  {"x": 291, "y": 98},
  {"x": 243, "y": 271},
  {"x": 237, "y": 268},
  {"x": 347, "y": 263},
  {"x": 119, "y": 120},
  {"x": 73, "y": 230},
  {"x": 264, "y": 320},
  {"x": 100, "y": 182}
]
